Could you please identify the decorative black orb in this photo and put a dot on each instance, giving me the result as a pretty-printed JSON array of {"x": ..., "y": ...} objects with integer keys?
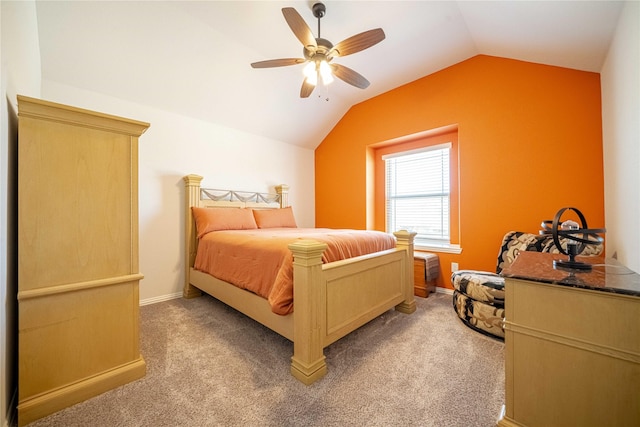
[{"x": 578, "y": 238}]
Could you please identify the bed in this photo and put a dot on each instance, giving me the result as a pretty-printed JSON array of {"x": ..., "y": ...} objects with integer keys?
[{"x": 331, "y": 299}]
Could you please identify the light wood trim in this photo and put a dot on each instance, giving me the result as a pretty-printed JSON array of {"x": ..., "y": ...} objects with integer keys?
[
  {"x": 194, "y": 198},
  {"x": 51, "y": 111},
  {"x": 573, "y": 352},
  {"x": 283, "y": 192},
  {"x": 360, "y": 289},
  {"x": 78, "y": 264},
  {"x": 134, "y": 206},
  {"x": 505, "y": 421},
  {"x": 323, "y": 312},
  {"x": 584, "y": 345},
  {"x": 42, "y": 405},
  {"x": 308, "y": 362},
  {"x": 405, "y": 242},
  {"x": 71, "y": 287},
  {"x": 192, "y": 183}
]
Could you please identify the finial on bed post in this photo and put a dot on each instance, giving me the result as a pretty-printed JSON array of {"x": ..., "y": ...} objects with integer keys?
[
  {"x": 405, "y": 240},
  {"x": 192, "y": 196},
  {"x": 193, "y": 180},
  {"x": 283, "y": 192}
]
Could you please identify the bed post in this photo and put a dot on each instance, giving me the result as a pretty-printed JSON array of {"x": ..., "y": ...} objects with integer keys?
[
  {"x": 283, "y": 192},
  {"x": 192, "y": 196},
  {"x": 405, "y": 240},
  {"x": 308, "y": 361}
]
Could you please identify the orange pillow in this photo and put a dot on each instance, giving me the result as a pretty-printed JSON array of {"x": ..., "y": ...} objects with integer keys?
[
  {"x": 274, "y": 218},
  {"x": 213, "y": 219}
]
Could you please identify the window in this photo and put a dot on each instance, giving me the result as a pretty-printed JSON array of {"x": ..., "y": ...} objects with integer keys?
[{"x": 417, "y": 193}]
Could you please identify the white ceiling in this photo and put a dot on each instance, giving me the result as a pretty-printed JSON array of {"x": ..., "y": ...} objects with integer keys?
[{"x": 192, "y": 58}]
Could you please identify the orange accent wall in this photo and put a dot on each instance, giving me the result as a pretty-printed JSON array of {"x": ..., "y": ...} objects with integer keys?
[{"x": 529, "y": 143}]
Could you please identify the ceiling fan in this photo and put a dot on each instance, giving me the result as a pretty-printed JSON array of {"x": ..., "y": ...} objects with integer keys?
[{"x": 319, "y": 52}]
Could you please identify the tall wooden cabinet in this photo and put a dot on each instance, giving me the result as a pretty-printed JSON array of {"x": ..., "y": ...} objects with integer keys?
[{"x": 78, "y": 270}]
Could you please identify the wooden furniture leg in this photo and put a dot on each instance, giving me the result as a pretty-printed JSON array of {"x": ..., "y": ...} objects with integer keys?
[
  {"x": 405, "y": 240},
  {"x": 308, "y": 361}
]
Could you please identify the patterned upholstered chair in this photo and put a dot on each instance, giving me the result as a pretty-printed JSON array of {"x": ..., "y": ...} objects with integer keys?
[{"x": 478, "y": 296}]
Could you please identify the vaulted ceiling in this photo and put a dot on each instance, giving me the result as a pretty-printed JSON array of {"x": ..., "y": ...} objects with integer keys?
[{"x": 193, "y": 58}]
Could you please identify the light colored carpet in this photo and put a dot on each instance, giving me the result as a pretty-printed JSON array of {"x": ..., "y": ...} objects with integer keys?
[{"x": 208, "y": 365}]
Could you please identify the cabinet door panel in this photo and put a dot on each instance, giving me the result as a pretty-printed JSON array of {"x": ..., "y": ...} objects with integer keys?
[
  {"x": 70, "y": 336},
  {"x": 75, "y": 197}
]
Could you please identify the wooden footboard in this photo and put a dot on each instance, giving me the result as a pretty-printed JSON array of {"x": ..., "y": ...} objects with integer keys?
[{"x": 331, "y": 300}]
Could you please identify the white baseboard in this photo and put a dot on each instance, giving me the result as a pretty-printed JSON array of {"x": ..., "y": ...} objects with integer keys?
[
  {"x": 440, "y": 290},
  {"x": 161, "y": 298}
]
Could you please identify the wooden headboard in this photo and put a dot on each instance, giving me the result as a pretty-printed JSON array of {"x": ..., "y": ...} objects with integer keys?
[{"x": 207, "y": 197}]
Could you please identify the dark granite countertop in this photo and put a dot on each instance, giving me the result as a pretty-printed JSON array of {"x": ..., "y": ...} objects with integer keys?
[{"x": 607, "y": 275}]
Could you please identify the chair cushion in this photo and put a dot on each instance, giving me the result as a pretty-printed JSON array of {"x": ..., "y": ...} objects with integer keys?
[
  {"x": 479, "y": 316},
  {"x": 480, "y": 286},
  {"x": 478, "y": 296},
  {"x": 515, "y": 242}
]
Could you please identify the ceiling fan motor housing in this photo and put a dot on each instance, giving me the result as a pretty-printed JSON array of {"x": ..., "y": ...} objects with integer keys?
[
  {"x": 319, "y": 9},
  {"x": 324, "y": 46}
]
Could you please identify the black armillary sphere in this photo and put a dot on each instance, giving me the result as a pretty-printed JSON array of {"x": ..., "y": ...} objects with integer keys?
[{"x": 578, "y": 238}]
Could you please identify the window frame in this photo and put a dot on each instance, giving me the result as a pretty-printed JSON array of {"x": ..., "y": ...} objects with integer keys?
[
  {"x": 444, "y": 217},
  {"x": 376, "y": 192}
]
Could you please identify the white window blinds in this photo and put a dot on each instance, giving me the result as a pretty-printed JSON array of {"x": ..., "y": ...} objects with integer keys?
[{"x": 417, "y": 193}]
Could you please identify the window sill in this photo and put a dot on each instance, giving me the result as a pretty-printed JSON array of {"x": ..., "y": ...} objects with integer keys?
[{"x": 444, "y": 248}]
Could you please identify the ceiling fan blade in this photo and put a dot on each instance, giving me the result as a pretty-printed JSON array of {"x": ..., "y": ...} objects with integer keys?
[
  {"x": 358, "y": 42},
  {"x": 277, "y": 62},
  {"x": 348, "y": 75},
  {"x": 299, "y": 27},
  {"x": 306, "y": 89}
]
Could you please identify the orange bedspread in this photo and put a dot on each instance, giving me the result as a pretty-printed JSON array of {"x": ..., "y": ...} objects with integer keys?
[{"x": 261, "y": 262}]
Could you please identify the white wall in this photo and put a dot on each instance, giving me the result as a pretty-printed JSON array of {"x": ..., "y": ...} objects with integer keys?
[
  {"x": 19, "y": 74},
  {"x": 175, "y": 146},
  {"x": 620, "y": 79}
]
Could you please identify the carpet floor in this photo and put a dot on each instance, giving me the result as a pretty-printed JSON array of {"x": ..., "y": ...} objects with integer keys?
[{"x": 208, "y": 365}]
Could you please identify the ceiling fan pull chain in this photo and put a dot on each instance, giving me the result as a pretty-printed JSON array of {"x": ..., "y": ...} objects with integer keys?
[{"x": 326, "y": 93}]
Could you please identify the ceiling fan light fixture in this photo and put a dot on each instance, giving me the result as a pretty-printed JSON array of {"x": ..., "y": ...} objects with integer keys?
[
  {"x": 318, "y": 52},
  {"x": 325, "y": 72},
  {"x": 311, "y": 73}
]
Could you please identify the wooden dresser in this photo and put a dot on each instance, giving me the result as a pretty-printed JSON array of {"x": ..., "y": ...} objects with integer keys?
[
  {"x": 572, "y": 344},
  {"x": 78, "y": 268}
]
